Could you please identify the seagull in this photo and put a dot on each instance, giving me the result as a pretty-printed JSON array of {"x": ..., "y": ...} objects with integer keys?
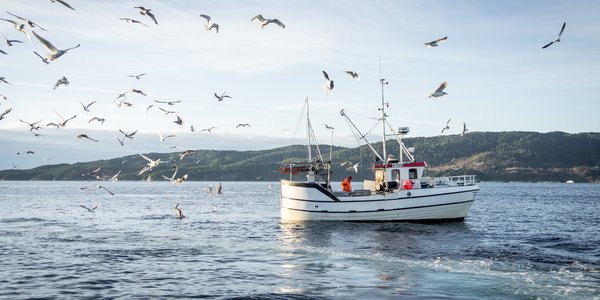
[
  {"x": 222, "y": 97},
  {"x": 435, "y": 42},
  {"x": 447, "y": 125},
  {"x": 353, "y": 167},
  {"x": 208, "y": 129},
  {"x": 209, "y": 24},
  {"x": 137, "y": 91},
  {"x": 121, "y": 141},
  {"x": 36, "y": 134},
  {"x": 32, "y": 126},
  {"x": 5, "y": 113},
  {"x": 87, "y": 107},
  {"x": 328, "y": 127},
  {"x": 3, "y": 79},
  {"x": 137, "y": 76},
  {"x": 243, "y": 125},
  {"x": 151, "y": 164},
  {"x": 3, "y": 52},
  {"x": 179, "y": 212},
  {"x": 346, "y": 163},
  {"x": 63, "y": 3},
  {"x": 328, "y": 87},
  {"x": 176, "y": 180},
  {"x": 104, "y": 188},
  {"x": 352, "y": 75},
  {"x": 167, "y": 111},
  {"x": 115, "y": 177},
  {"x": 10, "y": 42},
  {"x": 101, "y": 120},
  {"x": 184, "y": 153},
  {"x": 179, "y": 121},
  {"x": 90, "y": 209},
  {"x": 124, "y": 103},
  {"x": 128, "y": 135},
  {"x": 440, "y": 91},
  {"x": 44, "y": 60},
  {"x": 20, "y": 27},
  {"x": 27, "y": 21},
  {"x": 85, "y": 136},
  {"x": 464, "y": 131},
  {"x": 92, "y": 173},
  {"x": 162, "y": 138},
  {"x": 557, "y": 39},
  {"x": 264, "y": 22},
  {"x": 122, "y": 95},
  {"x": 64, "y": 122},
  {"x": 192, "y": 129},
  {"x": 132, "y": 21},
  {"x": 55, "y": 53},
  {"x": 146, "y": 12},
  {"x": 167, "y": 102},
  {"x": 62, "y": 81}
]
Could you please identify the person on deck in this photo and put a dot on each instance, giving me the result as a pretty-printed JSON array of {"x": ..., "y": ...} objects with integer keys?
[{"x": 346, "y": 186}]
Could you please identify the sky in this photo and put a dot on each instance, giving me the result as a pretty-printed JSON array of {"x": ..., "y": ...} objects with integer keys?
[{"x": 499, "y": 77}]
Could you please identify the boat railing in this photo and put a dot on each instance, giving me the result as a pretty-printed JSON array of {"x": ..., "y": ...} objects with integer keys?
[{"x": 461, "y": 180}]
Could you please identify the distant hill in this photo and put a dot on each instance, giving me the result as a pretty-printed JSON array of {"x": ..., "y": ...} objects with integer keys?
[{"x": 492, "y": 156}]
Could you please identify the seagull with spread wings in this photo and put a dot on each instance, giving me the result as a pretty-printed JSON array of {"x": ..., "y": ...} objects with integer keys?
[
  {"x": 209, "y": 24},
  {"x": 328, "y": 127},
  {"x": 32, "y": 126},
  {"x": 440, "y": 91},
  {"x": 93, "y": 209},
  {"x": 465, "y": 130},
  {"x": 138, "y": 76},
  {"x": 352, "y": 75},
  {"x": 55, "y": 52},
  {"x": 5, "y": 113},
  {"x": 209, "y": 130},
  {"x": 85, "y": 136},
  {"x": 150, "y": 165},
  {"x": 44, "y": 60},
  {"x": 328, "y": 86},
  {"x": 147, "y": 12},
  {"x": 63, "y": 81},
  {"x": 63, "y": 3},
  {"x": 242, "y": 125},
  {"x": 168, "y": 102},
  {"x": 27, "y": 21},
  {"x": 434, "y": 43},
  {"x": 163, "y": 138},
  {"x": 557, "y": 39},
  {"x": 128, "y": 135},
  {"x": 222, "y": 97},
  {"x": 447, "y": 126},
  {"x": 87, "y": 107},
  {"x": 121, "y": 141},
  {"x": 179, "y": 212},
  {"x": 264, "y": 22},
  {"x": 19, "y": 27},
  {"x": 64, "y": 121},
  {"x": 10, "y": 42},
  {"x": 97, "y": 119},
  {"x": 133, "y": 21}
]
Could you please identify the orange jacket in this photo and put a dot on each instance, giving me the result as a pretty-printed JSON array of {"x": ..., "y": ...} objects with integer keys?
[{"x": 346, "y": 186}]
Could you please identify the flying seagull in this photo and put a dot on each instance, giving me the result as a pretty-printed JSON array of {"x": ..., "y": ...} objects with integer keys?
[
  {"x": 64, "y": 121},
  {"x": 44, "y": 60},
  {"x": 352, "y": 75},
  {"x": 209, "y": 24},
  {"x": 151, "y": 164},
  {"x": 167, "y": 111},
  {"x": 168, "y": 102},
  {"x": 90, "y": 209},
  {"x": 121, "y": 141},
  {"x": 435, "y": 42},
  {"x": 440, "y": 91},
  {"x": 27, "y": 21},
  {"x": 20, "y": 27},
  {"x": 184, "y": 153},
  {"x": 179, "y": 121},
  {"x": 87, "y": 107},
  {"x": 62, "y": 81},
  {"x": 10, "y": 42},
  {"x": 264, "y": 22},
  {"x": 55, "y": 53},
  {"x": 5, "y": 113},
  {"x": 328, "y": 127},
  {"x": 127, "y": 134},
  {"x": 176, "y": 180},
  {"x": 179, "y": 212},
  {"x": 63, "y": 3},
  {"x": 1, "y": 51},
  {"x": 163, "y": 138},
  {"x": 242, "y": 125},
  {"x": 133, "y": 21},
  {"x": 137, "y": 76},
  {"x": 447, "y": 125},
  {"x": 3, "y": 79},
  {"x": 147, "y": 12},
  {"x": 32, "y": 126},
  {"x": 328, "y": 86},
  {"x": 138, "y": 92},
  {"x": 464, "y": 131},
  {"x": 208, "y": 129},
  {"x": 557, "y": 39},
  {"x": 222, "y": 97},
  {"x": 101, "y": 120},
  {"x": 85, "y": 136}
]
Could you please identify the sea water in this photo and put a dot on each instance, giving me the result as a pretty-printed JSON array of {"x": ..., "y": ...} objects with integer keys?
[{"x": 519, "y": 241}]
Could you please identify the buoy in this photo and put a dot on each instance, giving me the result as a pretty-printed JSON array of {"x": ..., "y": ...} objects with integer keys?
[{"x": 407, "y": 185}]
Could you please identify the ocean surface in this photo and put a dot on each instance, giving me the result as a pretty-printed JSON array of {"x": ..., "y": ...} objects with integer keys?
[{"x": 519, "y": 241}]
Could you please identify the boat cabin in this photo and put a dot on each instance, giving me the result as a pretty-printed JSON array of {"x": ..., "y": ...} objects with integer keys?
[{"x": 393, "y": 175}]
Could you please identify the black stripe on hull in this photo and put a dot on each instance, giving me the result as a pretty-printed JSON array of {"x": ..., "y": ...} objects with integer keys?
[{"x": 371, "y": 211}]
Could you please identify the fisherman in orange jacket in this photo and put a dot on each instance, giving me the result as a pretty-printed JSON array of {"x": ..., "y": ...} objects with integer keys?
[{"x": 346, "y": 186}]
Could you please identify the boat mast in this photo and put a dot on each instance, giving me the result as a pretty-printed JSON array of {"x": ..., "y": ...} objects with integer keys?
[
  {"x": 308, "y": 131},
  {"x": 383, "y": 123}
]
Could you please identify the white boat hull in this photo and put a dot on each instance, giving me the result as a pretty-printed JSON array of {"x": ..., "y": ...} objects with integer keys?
[{"x": 311, "y": 201}]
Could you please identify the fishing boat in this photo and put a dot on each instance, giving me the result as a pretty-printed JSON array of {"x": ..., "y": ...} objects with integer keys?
[{"x": 398, "y": 190}]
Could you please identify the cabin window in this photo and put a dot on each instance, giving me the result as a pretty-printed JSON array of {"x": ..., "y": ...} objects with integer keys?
[
  {"x": 412, "y": 173},
  {"x": 396, "y": 175}
]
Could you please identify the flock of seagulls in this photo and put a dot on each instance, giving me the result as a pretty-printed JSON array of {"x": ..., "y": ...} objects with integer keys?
[{"x": 24, "y": 25}]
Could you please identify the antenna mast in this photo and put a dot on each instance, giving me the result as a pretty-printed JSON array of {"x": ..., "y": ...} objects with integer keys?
[{"x": 382, "y": 109}]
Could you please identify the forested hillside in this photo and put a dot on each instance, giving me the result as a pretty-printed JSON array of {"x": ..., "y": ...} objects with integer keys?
[{"x": 497, "y": 156}]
